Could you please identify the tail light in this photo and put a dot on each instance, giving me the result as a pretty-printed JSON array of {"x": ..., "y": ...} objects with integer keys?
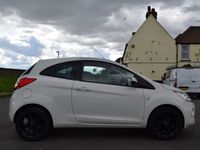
[{"x": 23, "y": 82}]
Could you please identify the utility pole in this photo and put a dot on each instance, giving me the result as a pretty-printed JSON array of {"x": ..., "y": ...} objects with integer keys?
[{"x": 58, "y": 52}]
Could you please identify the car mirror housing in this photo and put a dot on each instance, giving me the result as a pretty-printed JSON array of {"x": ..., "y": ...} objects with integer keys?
[{"x": 132, "y": 81}]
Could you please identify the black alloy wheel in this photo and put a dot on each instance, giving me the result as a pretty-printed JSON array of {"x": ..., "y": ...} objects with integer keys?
[
  {"x": 165, "y": 123},
  {"x": 33, "y": 124}
]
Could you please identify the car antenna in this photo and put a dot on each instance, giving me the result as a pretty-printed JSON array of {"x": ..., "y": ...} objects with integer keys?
[{"x": 97, "y": 52}]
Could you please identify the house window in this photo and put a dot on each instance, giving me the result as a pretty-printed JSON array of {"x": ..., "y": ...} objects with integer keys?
[{"x": 185, "y": 52}]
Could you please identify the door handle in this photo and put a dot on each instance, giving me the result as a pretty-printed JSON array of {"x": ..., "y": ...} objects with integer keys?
[
  {"x": 78, "y": 89},
  {"x": 193, "y": 81},
  {"x": 82, "y": 89},
  {"x": 85, "y": 89}
]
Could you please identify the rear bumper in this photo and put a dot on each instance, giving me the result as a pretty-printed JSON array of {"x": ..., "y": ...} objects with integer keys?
[
  {"x": 11, "y": 110},
  {"x": 192, "y": 90}
]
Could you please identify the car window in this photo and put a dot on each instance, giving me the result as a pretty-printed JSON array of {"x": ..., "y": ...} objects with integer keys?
[
  {"x": 63, "y": 70},
  {"x": 29, "y": 70},
  {"x": 100, "y": 72}
]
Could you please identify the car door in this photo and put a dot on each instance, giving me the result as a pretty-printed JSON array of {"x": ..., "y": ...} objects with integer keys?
[
  {"x": 104, "y": 96},
  {"x": 56, "y": 83}
]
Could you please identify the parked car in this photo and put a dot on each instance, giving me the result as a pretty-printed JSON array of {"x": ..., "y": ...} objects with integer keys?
[
  {"x": 90, "y": 92},
  {"x": 186, "y": 79}
]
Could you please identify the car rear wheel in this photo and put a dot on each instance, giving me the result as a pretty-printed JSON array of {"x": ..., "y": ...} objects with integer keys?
[
  {"x": 33, "y": 124},
  {"x": 165, "y": 123}
]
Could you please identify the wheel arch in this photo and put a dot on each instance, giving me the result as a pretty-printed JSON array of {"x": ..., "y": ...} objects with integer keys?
[
  {"x": 30, "y": 106},
  {"x": 168, "y": 106}
]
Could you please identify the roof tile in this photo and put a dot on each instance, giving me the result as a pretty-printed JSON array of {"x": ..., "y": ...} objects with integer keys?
[{"x": 189, "y": 36}]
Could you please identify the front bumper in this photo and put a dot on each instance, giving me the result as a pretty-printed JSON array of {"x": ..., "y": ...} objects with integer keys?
[{"x": 189, "y": 113}]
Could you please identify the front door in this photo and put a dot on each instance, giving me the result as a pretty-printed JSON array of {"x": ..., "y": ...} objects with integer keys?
[{"x": 104, "y": 96}]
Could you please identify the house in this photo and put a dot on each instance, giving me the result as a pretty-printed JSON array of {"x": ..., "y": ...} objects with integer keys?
[
  {"x": 151, "y": 49},
  {"x": 188, "y": 47}
]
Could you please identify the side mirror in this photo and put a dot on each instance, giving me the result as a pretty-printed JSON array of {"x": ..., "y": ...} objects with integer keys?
[{"x": 132, "y": 81}]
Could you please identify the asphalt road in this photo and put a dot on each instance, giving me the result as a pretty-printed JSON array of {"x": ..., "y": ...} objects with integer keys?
[{"x": 97, "y": 139}]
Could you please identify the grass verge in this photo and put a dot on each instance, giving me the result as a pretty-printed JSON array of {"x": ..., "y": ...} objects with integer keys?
[{"x": 7, "y": 84}]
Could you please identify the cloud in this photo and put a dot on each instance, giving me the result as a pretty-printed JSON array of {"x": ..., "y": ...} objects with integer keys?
[
  {"x": 9, "y": 59},
  {"x": 23, "y": 42},
  {"x": 35, "y": 29},
  {"x": 33, "y": 49},
  {"x": 193, "y": 8},
  {"x": 77, "y": 16}
]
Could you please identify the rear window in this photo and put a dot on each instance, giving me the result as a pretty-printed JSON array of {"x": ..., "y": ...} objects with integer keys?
[
  {"x": 28, "y": 71},
  {"x": 62, "y": 70},
  {"x": 194, "y": 73},
  {"x": 183, "y": 73}
]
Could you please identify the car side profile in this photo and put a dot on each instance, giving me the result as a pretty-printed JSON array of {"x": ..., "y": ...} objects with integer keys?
[{"x": 91, "y": 92}]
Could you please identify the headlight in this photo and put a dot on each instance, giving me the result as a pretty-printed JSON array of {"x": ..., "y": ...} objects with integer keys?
[{"x": 183, "y": 96}]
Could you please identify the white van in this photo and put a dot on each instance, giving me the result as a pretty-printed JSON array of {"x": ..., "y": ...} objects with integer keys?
[{"x": 186, "y": 79}]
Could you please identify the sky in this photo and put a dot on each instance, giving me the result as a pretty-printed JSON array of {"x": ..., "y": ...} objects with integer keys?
[{"x": 36, "y": 29}]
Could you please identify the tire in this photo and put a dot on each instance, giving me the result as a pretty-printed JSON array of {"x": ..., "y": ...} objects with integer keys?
[
  {"x": 165, "y": 123},
  {"x": 193, "y": 95},
  {"x": 198, "y": 95},
  {"x": 33, "y": 124}
]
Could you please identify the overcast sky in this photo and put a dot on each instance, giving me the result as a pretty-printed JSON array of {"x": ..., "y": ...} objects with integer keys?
[{"x": 35, "y": 29}]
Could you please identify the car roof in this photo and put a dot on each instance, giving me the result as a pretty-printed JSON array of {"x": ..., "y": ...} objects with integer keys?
[
  {"x": 60, "y": 60},
  {"x": 68, "y": 59},
  {"x": 42, "y": 64}
]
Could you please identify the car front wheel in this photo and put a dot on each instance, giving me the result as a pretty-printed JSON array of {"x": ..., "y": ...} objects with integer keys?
[{"x": 165, "y": 123}]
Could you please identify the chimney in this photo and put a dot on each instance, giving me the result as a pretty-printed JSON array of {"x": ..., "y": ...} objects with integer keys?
[
  {"x": 148, "y": 11},
  {"x": 149, "y": 8},
  {"x": 151, "y": 11},
  {"x": 154, "y": 13}
]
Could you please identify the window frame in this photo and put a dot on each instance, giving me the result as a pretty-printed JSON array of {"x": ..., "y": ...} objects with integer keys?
[
  {"x": 28, "y": 71},
  {"x": 145, "y": 84},
  {"x": 72, "y": 63},
  {"x": 183, "y": 50}
]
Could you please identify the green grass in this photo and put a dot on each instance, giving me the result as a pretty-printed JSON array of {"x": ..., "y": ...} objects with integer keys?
[{"x": 7, "y": 83}]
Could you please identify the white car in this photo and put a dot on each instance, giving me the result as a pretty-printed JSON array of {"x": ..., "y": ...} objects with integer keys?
[{"x": 90, "y": 92}]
